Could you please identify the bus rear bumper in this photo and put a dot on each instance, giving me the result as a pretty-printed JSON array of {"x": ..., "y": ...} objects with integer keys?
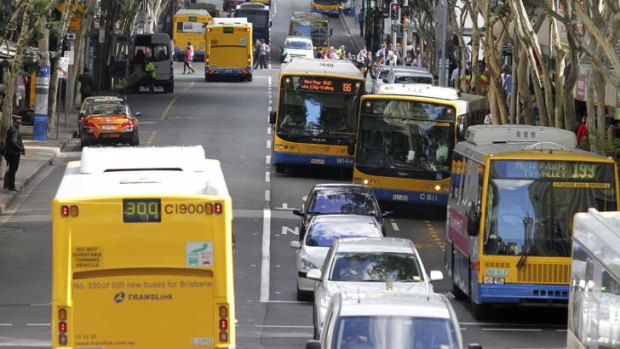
[
  {"x": 230, "y": 72},
  {"x": 524, "y": 294},
  {"x": 412, "y": 197},
  {"x": 280, "y": 158}
]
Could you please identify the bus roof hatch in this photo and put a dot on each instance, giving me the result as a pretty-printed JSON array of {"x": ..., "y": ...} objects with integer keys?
[{"x": 542, "y": 135}]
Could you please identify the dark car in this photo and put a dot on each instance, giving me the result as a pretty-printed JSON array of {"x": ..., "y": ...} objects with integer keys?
[{"x": 339, "y": 198}]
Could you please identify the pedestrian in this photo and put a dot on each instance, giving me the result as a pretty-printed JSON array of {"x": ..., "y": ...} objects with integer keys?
[
  {"x": 149, "y": 69},
  {"x": 381, "y": 52},
  {"x": 257, "y": 53},
  {"x": 582, "y": 133},
  {"x": 409, "y": 58},
  {"x": 264, "y": 52},
  {"x": 188, "y": 61},
  {"x": 13, "y": 150},
  {"x": 86, "y": 85},
  {"x": 417, "y": 61}
]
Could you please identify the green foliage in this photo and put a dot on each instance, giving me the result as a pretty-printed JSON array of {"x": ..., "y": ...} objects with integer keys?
[{"x": 605, "y": 143}]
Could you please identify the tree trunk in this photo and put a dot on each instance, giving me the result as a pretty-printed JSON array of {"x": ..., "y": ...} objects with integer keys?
[{"x": 524, "y": 94}]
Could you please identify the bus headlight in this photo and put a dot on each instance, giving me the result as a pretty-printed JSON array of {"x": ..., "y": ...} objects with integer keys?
[{"x": 491, "y": 280}]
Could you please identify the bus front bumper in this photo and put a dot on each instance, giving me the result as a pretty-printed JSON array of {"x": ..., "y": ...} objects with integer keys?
[
  {"x": 312, "y": 159},
  {"x": 412, "y": 197},
  {"x": 524, "y": 294}
]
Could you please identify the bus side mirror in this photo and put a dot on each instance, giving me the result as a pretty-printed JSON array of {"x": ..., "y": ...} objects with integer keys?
[
  {"x": 350, "y": 149},
  {"x": 272, "y": 117},
  {"x": 270, "y": 24},
  {"x": 473, "y": 222}
]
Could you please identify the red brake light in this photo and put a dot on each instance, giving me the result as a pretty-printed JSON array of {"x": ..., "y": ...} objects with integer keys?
[
  {"x": 64, "y": 211},
  {"x": 127, "y": 124},
  {"x": 62, "y": 327},
  {"x": 223, "y": 324},
  {"x": 218, "y": 208},
  {"x": 89, "y": 124}
]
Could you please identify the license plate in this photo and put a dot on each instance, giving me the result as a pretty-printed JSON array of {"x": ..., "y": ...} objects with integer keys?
[
  {"x": 400, "y": 197},
  {"x": 110, "y": 135},
  {"x": 317, "y": 161},
  {"x": 108, "y": 127}
]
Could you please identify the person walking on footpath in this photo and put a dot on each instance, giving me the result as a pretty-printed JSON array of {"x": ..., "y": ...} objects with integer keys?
[
  {"x": 264, "y": 51},
  {"x": 257, "y": 53},
  {"x": 13, "y": 150},
  {"x": 86, "y": 85}
]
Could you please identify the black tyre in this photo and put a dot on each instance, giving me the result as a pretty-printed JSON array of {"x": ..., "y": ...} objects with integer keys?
[
  {"x": 135, "y": 139},
  {"x": 249, "y": 78}
]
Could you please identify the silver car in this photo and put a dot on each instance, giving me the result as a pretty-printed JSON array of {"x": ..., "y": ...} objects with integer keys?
[
  {"x": 322, "y": 231},
  {"x": 365, "y": 264}
]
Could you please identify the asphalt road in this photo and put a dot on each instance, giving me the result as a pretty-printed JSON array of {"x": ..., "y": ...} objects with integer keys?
[{"x": 229, "y": 119}]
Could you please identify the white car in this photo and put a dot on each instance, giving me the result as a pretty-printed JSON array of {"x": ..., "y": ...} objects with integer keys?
[
  {"x": 390, "y": 319},
  {"x": 365, "y": 264},
  {"x": 321, "y": 233},
  {"x": 296, "y": 47}
]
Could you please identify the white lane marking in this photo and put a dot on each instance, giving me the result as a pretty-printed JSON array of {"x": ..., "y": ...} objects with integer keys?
[
  {"x": 267, "y": 177},
  {"x": 264, "y": 268},
  {"x": 269, "y": 130},
  {"x": 26, "y": 343},
  {"x": 283, "y": 326},
  {"x": 38, "y": 324},
  {"x": 6, "y": 325},
  {"x": 512, "y": 329},
  {"x": 268, "y": 159},
  {"x": 395, "y": 226},
  {"x": 267, "y": 195},
  {"x": 269, "y": 144},
  {"x": 284, "y": 207}
]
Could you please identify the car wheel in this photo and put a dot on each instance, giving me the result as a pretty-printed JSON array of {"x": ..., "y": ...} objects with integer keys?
[
  {"x": 303, "y": 296},
  {"x": 135, "y": 139}
]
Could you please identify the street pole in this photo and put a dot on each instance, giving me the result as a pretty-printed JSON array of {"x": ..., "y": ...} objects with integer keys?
[
  {"x": 443, "y": 81},
  {"x": 42, "y": 86},
  {"x": 395, "y": 32},
  {"x": 405, "y": 23}
]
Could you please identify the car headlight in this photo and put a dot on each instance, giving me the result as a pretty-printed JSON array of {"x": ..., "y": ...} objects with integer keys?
[{"x": 305, "y": 264}]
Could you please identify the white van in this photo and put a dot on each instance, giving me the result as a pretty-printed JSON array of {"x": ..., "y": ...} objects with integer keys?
[
  {"x": 157, "y": 48},
  {"x": 390, "y": 319}
]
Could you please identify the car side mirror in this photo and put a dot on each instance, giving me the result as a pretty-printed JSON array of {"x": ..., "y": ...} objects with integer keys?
[
  {"x": 137, "y": 114},
  {"x": 473, "y": 222},
  {"x": 272, "y": 117},
  {"x": 313, "y": 344},
  {"x": 387, "y": 214},
  {"x": 295, "y": 244},
  {"x": 435, "y": 275},
  {"x": 314, "y": 274},
  {"x": 297, "y": 212},
  {"x": 350, "y": 149}
]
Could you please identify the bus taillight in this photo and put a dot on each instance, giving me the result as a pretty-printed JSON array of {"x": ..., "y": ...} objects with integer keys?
[
  {"x": 66, "y": 211},
  {"x": 223, "y": 323},
  {"x": 218, "y": 208},
  {"x": 62, "y": 326}
]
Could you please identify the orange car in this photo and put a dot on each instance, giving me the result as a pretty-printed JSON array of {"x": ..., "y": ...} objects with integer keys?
[{"x": 110, "y": 123}]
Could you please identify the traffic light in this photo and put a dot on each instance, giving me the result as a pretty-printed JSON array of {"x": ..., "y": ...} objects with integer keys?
[{"x": 394, "y": 11}]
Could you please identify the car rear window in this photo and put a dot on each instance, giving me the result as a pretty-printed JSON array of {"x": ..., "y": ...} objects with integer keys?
[
  {"x": 324, "y": 234},
  {"x": 343, "y": 202},
  {"x": 376, "y": 266}
]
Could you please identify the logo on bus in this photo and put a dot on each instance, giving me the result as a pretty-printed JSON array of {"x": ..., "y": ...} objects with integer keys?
[{"x": 119, "y": 297}]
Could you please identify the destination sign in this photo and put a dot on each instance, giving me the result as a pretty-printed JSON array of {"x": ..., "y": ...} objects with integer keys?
[
  {"x": 545, "y": 169},
  {"x": 322, "y": 84},
  {"x": 141, "y": 210}
]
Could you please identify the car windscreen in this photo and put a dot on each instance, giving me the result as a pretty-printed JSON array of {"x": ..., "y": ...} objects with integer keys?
[
  {"x": 376, "y": 266},
  {"x": 412, "y": 79},
  {"x": 108, "y": 109},
  {"x": 323, "y": 234},
  {"x": 298, "y": 45}
]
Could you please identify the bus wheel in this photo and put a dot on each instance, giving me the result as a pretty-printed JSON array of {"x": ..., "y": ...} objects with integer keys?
[
  {"x": 280, "y": 168},
  {"x": 249, "y": 78},
  {"x": 479, "y": 311}
]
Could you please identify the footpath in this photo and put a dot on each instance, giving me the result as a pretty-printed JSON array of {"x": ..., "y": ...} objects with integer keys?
[
  {"x": 39, "y": 155},
  {"x": 352, "y": 27}
]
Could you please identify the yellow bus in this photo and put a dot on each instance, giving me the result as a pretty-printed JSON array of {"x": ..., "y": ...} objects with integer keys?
[
  {"x": 405, "y": 138},
  {"x": 594, "y": 298},
  {"x": 229, "y": 49},
  {"x": 189, "y": 26},
  {"x": 513, "y": 193},
  {"x": 331, "y": 7},
  {"x": 314, "y": 26},
  {"x": 143, "y": 251},
  {"x": 316, "y": 113}
]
